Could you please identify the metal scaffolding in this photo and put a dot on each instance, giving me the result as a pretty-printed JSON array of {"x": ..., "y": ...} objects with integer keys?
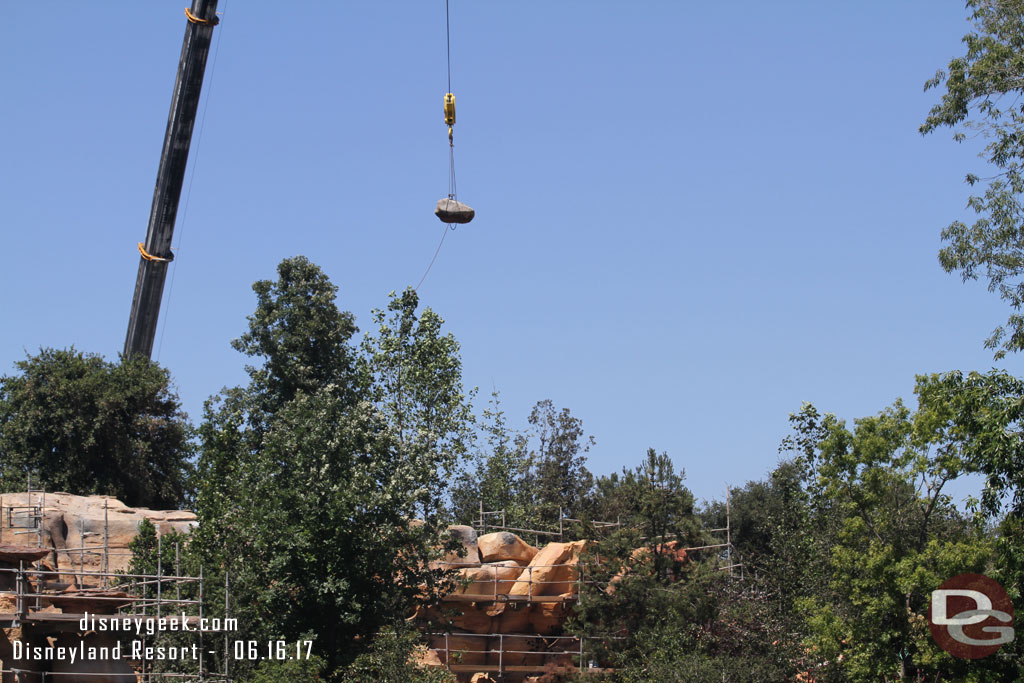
[{"x": 42, "y": 599}]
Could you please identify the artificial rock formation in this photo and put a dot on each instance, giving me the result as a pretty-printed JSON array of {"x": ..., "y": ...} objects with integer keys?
[
  {"x": 503, "y": 545},
  {"x": 489, "y": 579},
  {"x": 469, "y": 556},
  {"x": 67, "y": 534},
  {"x": 78, "y": 529},
  {"x": 500, "y": 607},
  {"x": 552, "y": 571}
]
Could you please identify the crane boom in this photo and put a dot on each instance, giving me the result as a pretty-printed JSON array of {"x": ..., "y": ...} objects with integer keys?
[{"x": 156, "y": 252}]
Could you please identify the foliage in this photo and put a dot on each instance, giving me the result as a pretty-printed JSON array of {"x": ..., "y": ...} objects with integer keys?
[
  {"x": 981, "y": 416},
  {"x": 391, "y": 659},
  {"x": 649, "y": 499},
  {"x": 899, "y": 537},
  {"x": 298, "y": 670},
  {"x": 562, "y": 480},
  {"x": 74, "y": 422},
  {"x": 170, "y": 555},
  {"x": 300, "y": 335},
  {"x": 499, "y": 476},
  {"x": 632, "y": 575},
  {"x": 309, "y": 480},
  {"x": 739, "y": 639},
  {"x": 674, "y": 616},
  {"x": 412, "y": 374},
  {"x": 982, "y": 93},
  {"x": 534, "y": 476},
  {"x": 779, "y": 536},
  {"x": 153, "y": 556}
]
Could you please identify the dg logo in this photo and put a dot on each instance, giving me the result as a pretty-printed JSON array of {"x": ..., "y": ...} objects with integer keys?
[{"x": 970, "y": 616}]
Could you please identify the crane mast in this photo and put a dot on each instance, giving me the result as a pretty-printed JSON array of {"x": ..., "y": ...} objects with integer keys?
[{"x": 155, "y": 253}]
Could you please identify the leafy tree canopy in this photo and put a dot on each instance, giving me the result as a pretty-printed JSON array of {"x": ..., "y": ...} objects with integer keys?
[
  {"x": 310, "y": 477},
  {"x": 562, "y": 478},
  {"x": 895, "y": 535},
  {"x": 982, "y": 93},
  {"x": 74, "y": 422},
  {"x": 499, "y": 475},
  {"x": 533, "y": 475},
  {"x": 300, "y": 335}
]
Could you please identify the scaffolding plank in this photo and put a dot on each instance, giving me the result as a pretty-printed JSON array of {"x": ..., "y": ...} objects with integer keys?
[
  {"x": 487, "y": 668},
  {"x": 508, "y": 598}
]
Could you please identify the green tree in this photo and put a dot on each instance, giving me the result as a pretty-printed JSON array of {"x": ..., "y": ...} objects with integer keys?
[
  {"x": 300, "y": 335},
  {"x": 498, "y": 475},
  {"x": 391, "y": 659},
  {"x": 533, "y": 475},
  {"x": 309, "y": 480},
  {"x": 166, "y": 554},
  {"x": 633, "y": 588},
  {"x": 778, "y": 535},
  {"x": 412, "y": 374},
  {"x": 983, "y": 418},
  {"x": 687, "y": 619},
  {"x": 898, "y": 537},
  {"x": 561, "y": 479},
  {"x": 74, "y": 422},
  {"x": 289, "y": 671},
  {"x": 982, "y": 92}
]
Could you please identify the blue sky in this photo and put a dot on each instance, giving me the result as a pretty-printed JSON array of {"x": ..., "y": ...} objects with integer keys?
[{"x": 690, "y": 218}]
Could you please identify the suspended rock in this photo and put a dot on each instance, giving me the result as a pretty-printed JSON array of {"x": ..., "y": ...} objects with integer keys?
[{"x": 451, "y": 211}]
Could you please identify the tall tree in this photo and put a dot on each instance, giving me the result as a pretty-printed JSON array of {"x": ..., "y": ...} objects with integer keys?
[
  {"x": 898, "y": 537},
  {"x": 74, "y": 422},
  {"x": 983, "y": 419},
  {"x": 412, "y": 373},
  {"x": 532, "y": 475},
  {"x": 982, "y": 93},
  {"x": 498, "y": 475},
  {"x": 310, "y": 477},
  {"x": 562, "y": 480},
  {"x": 777, "y": 534},
  {"x": 299, "y": 335},
  {"x": 633, "y": 586}
]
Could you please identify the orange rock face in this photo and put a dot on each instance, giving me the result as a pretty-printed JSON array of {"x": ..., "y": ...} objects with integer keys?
[
  {"x": 489, "y": 579},
  {"x": 552, "y": 571},
  {"x": 94, "y": 522},
  {"x": 475, "y": 618},
  {"x": 467, "y": 536},
  {"x": 514, "y": 618},
  {"x": 492, "y": 620},
  {"x": 547, "y": 618},
  {"x": 503, "y": 545},
  {"x": 460, "y": 649},
  {"x": 425, "y": 658}
]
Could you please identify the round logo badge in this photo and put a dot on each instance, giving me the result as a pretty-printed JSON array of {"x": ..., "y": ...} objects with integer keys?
[{"x": 970, "y": 616}]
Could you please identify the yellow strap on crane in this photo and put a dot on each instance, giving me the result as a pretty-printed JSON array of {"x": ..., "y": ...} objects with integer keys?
[
  {"x": 196, "y": 20},
  {"x": 149, "y": 257}
]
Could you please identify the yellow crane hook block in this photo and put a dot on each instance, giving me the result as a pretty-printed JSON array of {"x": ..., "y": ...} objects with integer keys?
[
  {"x": 449, "y": 109},
  {"x": 451, "y": 211},
  {"x": 449, "y": 112}
]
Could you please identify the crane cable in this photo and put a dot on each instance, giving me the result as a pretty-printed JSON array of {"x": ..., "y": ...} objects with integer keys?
[
  {"x": 448, "y": 41},
  {"x": 449, "y": 99},
  {"x": 449, "y": 106}
]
